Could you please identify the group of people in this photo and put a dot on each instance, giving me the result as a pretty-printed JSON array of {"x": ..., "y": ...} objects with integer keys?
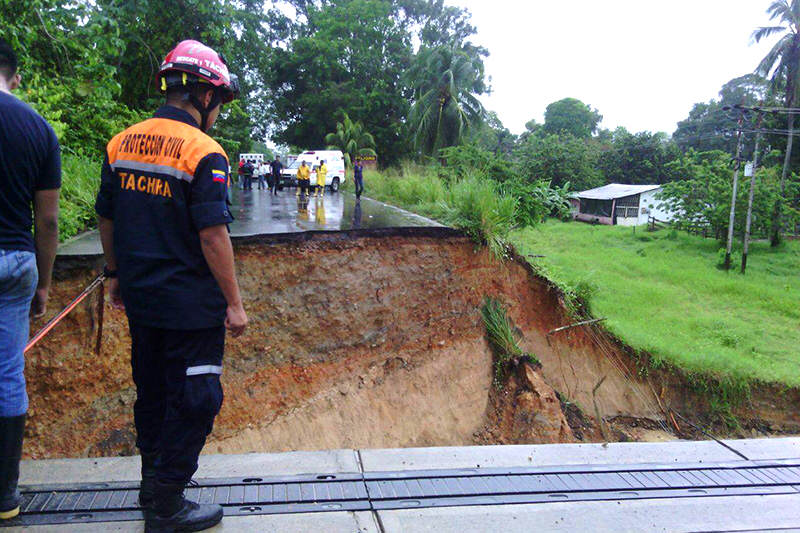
[
  {"x": 304, "y": 179},
  {"x": 267, "y": 174},
  {"x": 163, "y": 217}
]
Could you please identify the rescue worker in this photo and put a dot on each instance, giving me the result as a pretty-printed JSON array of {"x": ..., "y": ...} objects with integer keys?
[
  {"x": 358, "y": 177},
  {"x": 303, "y": 178},
  {"x": 30, "y": 179},
  {"x": 322, "y": 175},
  {"x": 163, "y": 221}
]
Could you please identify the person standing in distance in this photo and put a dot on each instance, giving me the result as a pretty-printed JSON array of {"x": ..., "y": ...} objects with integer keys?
[
  {"x": 358, "y": 177},
  {"x": 322, "y": 175},
  {"x": 163, "y": 219},
  {"x": 303, "y": 179},
  {"x": 275, "y": 168},
  {"x": 30, "y": 176}
]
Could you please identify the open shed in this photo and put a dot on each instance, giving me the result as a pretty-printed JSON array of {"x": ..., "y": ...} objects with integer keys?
[{"x": 620, "y": 204}]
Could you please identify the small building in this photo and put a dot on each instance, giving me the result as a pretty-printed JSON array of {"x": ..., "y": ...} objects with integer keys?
[{"x": 621, "y": 205}]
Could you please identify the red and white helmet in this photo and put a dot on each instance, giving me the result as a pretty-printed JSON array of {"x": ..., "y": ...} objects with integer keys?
[{"x": 193, "y": 62}]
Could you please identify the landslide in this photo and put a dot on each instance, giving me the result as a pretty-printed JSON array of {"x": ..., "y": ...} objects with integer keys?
[{"x": 367, "y": 339}]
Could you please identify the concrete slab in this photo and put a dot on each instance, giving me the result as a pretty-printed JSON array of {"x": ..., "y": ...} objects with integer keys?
[
  {"x": 211, "y": 466},
  {"x": 574, "y": 454},
  {"x": 336, "y": 522},
  {"x": 754, "y": 513},
  {"x": 765, "y": 449}
]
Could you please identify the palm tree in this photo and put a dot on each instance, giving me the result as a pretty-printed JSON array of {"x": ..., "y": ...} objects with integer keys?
[
  {"x": 446, "y": 80},
  {"x": 783, "y": 62},
  {"x": 352, "y": 139}
]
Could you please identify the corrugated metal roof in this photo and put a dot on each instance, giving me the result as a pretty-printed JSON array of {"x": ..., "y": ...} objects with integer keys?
[{"x": 616, "y": 190}]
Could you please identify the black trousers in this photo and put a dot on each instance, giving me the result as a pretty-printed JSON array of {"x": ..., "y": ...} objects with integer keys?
[
  {"x": 178, "y": 395},
  {"x": 274, "y": 184},
  {"x": 359, "y": 185}
]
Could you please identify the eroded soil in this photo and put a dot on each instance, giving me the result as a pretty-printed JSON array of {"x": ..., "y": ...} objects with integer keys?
[{"x": 366, "y": 339}]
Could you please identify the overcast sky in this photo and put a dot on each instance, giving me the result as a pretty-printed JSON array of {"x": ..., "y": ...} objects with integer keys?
[{"x": 641, "y": 63}]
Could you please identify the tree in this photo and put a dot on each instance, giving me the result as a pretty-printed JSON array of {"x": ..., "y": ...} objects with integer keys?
[
  {"x": 446, "y": 82},
  {"x": 708, "y": 127},
  {"x": 702, "y": 197},
  {"x": 642, "y": 158},
  {"x": 351, "y": 138},
  {"x": 573, "y": 117},
  {"x": 349, "y": 55},
  {"x": 492, "y": 135},
  {"x": 559, "y": 159},
  {"x": 783, "y": 62}
]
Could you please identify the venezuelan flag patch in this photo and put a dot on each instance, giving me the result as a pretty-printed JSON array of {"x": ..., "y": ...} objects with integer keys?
[{"x": 219, "y": 176}]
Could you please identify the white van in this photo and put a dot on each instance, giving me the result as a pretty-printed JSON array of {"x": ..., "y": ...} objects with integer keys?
[
  {"x": 334, "y": 160},
  {"x": 256, "y": 159}
]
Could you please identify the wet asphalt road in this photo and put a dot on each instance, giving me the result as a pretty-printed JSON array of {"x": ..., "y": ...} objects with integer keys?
[{"x": 258, "y": 212}]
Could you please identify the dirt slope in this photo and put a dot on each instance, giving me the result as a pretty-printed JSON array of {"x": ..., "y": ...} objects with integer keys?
[{"x": 358, "y": 339}]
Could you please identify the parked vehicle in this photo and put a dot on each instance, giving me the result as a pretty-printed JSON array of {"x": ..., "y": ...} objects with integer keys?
[
  {"x": 256, "y": 159},
  {"x": 334, "y": 160}
]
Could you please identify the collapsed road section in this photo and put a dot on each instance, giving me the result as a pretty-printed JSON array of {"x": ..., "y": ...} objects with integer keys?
[{"x": 370, "y": 338}]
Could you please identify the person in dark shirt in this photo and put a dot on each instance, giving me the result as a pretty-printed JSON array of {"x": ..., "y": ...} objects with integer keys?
[
  {"x": 248, "y": 175},
  {"x": 163, "y": 224},
  {"x": 30, "y": 179},
  {"x": 275, "y": 168},
  {"x": 358, "y": 177}
]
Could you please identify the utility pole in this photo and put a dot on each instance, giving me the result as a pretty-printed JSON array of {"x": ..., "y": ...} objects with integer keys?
[
  {"x": 737, "y": 164},
  {"x": 752, "y": 193}
]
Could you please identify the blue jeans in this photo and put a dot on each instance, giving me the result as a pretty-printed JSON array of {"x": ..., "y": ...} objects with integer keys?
[{"x": 18, "y": 279}]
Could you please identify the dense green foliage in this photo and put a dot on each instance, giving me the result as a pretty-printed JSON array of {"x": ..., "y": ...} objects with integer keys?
[
  {"x": 78, "y": 192},
  {"x": 703, "y": 196},
  {"x": 660, "y": 293}
]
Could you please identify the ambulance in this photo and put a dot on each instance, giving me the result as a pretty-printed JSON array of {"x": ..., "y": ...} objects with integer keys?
[{"x": 334, "y": 160}]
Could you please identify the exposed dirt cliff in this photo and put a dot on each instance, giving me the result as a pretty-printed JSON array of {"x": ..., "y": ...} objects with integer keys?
[{"x": 363, "y": 339}]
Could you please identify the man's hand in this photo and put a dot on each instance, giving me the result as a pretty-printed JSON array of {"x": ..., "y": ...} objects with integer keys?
[
  {"x": 235, "y": 320},
  {"x": 114, "y": 294},
  {"x": 39, "y": 303}
]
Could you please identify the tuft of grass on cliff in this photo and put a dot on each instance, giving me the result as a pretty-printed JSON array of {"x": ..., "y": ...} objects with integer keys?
[{"x": 663, "y": 293}]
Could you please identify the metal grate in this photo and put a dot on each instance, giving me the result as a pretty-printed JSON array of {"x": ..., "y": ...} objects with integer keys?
[
  {"x": 107, "y": 502},
  {"x": 499, "y": 487}
]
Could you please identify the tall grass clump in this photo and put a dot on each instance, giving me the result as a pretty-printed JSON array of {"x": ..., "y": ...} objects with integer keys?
[
  {"x": 503, "y": 339},
  {"x": 79, "y": 183},
  {"x": 477, "y": 207},
  {"x": 474, "y": 204}
]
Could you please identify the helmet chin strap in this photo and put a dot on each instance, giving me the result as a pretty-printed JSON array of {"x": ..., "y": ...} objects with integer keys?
[{"x": 205, "y": 111}]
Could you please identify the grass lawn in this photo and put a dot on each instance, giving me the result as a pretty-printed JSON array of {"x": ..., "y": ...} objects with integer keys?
[{"x": 662, "y": 292}]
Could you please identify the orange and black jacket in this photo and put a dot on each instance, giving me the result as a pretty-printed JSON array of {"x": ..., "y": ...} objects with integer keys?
[{"x": 162, "y": 182}]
